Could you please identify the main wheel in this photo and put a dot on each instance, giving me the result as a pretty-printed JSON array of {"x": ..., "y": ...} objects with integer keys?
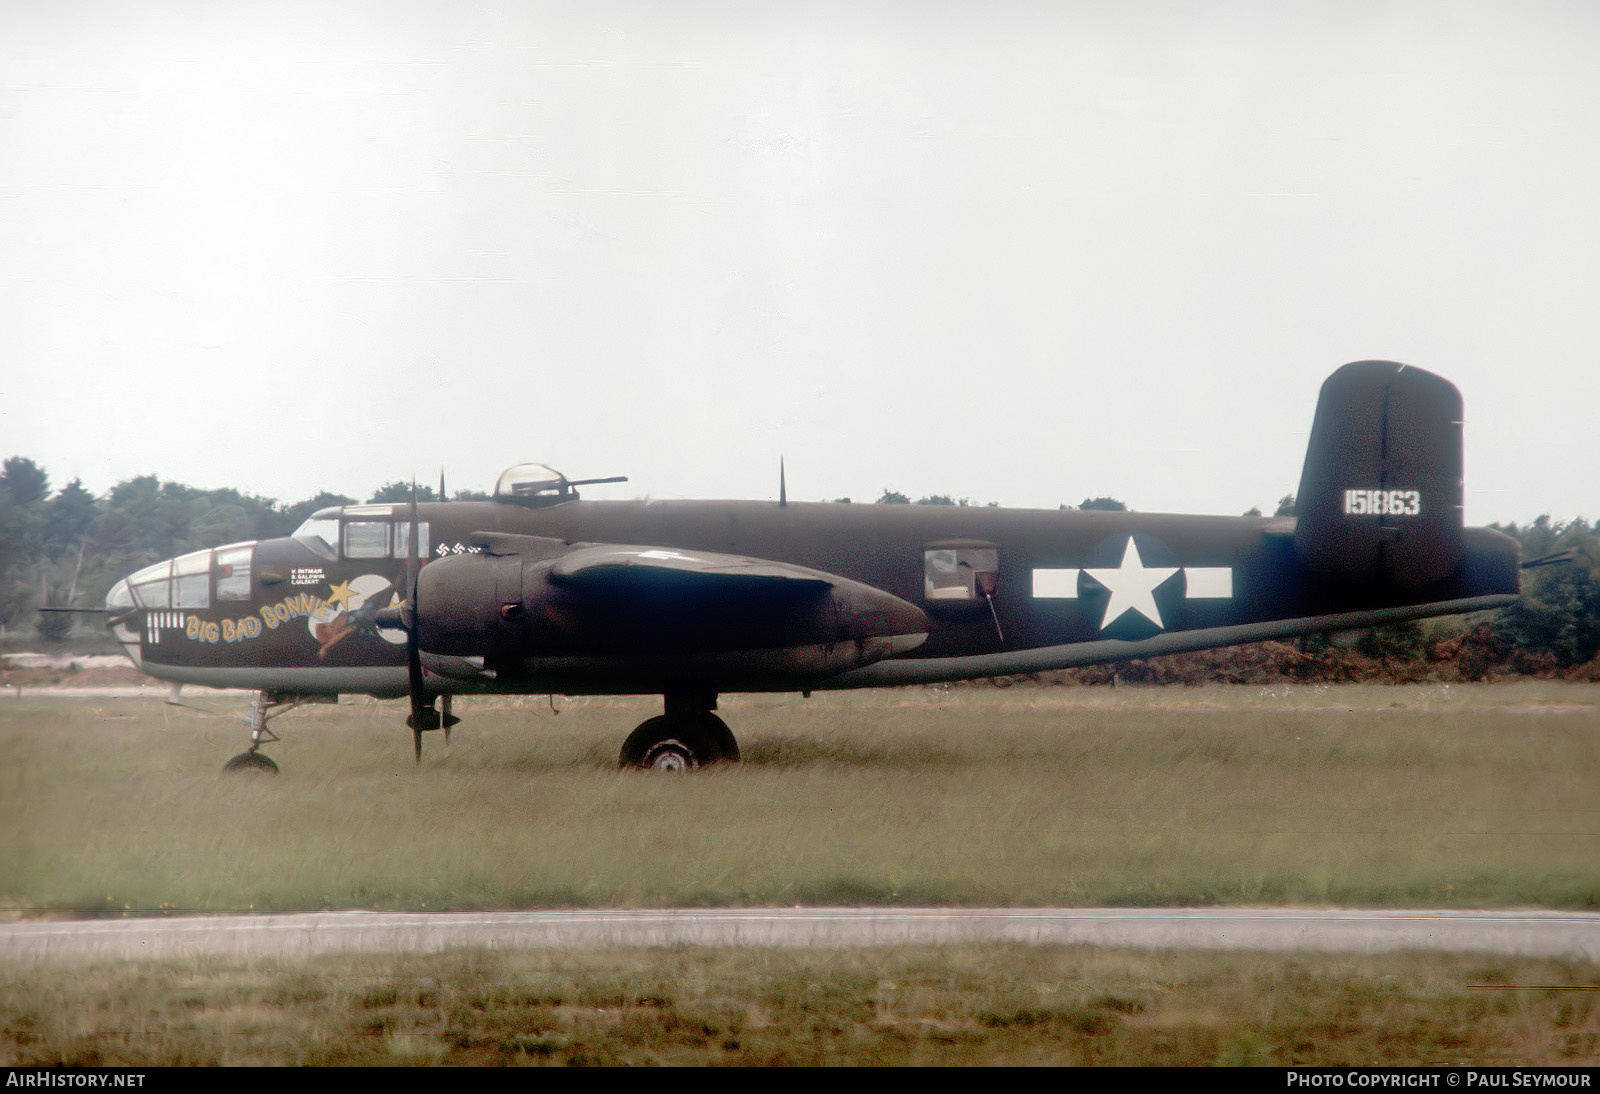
[
  {"x": 666, "y": 743},
  {"x": 250, "y": 763},
  {"x": 721, "y": 738}
]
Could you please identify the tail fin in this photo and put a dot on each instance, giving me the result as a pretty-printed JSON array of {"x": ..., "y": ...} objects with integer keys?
[{"x": 1380, "y": 498}]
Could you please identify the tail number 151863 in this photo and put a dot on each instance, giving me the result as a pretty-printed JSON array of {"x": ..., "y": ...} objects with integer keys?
[{"x": 1382, "y": 503}]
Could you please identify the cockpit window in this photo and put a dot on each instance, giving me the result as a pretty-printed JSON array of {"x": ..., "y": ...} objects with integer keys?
[
  {"x": 233, "y": 572},
  {"x": 191, "y": 580},
  {"x": 363, "y": 537},
  {"x": 320, "y": 533},
  {"x": 366, "y": 539},
  {"x": 402, "y": 539}
]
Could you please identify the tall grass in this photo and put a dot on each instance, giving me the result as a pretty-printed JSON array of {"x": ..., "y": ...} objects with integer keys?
[
  {"x": 1370, "y": 795},
  {"x": 914, "y": 1005}
]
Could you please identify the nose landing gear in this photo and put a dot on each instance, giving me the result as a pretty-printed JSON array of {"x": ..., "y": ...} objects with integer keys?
[
  {"x": 267, "y": 705},
  {"x": 250, "y": 763}
]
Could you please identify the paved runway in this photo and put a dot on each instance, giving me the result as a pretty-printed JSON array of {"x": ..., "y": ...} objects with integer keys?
[{"x": 1528, "y": 933}]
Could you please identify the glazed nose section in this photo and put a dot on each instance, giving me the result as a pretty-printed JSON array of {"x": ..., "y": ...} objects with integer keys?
[
  {"x": 119, "y": 601},
  {"x": 120, "y": 619},
  {"x": 161, "y": 597}
]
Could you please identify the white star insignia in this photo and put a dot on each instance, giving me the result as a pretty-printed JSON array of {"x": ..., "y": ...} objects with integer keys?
[{"x": 1133, "y": 586}]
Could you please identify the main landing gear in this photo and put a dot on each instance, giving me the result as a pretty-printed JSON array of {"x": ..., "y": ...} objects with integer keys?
[{"x": 686, "y": 737}]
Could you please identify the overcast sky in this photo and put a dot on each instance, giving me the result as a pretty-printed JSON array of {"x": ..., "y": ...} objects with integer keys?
[{"x": 1018, "y": 252}]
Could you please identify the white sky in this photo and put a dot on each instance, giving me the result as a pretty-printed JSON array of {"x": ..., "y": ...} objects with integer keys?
[{"x": 1020, "y": 252}]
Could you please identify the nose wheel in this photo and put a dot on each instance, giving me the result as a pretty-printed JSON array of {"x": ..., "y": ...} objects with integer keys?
[
  {"x": 250, "y": 763},
  {"x": 266, "y": 706}
]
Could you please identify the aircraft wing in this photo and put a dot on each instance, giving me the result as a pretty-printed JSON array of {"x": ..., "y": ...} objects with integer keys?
[
  {"x": 528, "y": 598},
  {"x": 670, "y": 598}
]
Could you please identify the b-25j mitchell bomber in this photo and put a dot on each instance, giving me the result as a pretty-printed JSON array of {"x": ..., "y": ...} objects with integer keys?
[{"x": 540, "y": 591}]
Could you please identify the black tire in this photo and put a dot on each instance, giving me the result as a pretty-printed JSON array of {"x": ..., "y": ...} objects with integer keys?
[
  {"x": 678, "y": 744},
  {"x": 250, "y": 763},
  {"x": 722, "y": 739}
]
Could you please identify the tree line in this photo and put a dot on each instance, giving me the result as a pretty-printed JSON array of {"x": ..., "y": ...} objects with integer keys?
[{"x": 68, "y": 546}]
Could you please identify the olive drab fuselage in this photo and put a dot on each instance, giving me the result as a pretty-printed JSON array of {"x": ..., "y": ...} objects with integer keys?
[{"x": 539, "y": 590}]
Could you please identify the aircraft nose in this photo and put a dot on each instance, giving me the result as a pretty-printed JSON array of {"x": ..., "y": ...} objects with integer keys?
[
  {"x": 119, "y": 601},
  {"x": 120, "y": 608}
]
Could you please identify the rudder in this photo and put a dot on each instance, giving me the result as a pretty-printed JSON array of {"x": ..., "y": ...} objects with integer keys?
[{"x": 1380, "y": 497}]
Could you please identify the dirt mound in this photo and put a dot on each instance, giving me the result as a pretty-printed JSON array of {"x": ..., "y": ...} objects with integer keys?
[{"x": 44, "y": 670}]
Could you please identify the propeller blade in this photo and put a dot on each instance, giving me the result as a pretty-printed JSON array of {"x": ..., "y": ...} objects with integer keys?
[
  {"x": 420, "y": 707},
  {"x": 423, "y": 715}
]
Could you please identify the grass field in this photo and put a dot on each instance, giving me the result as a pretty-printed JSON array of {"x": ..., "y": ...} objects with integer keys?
[
  {"x": 957, "y": 1005},
  {"x": 1427, "y": 796},
  {"x": 1366, "y": 795}
]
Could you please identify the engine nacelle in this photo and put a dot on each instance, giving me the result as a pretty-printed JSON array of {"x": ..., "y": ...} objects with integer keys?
[{"x": 552, "y": 600}]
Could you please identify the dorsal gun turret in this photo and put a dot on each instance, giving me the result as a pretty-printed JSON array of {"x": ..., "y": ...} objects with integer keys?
[{"x": 535, "y": 485}]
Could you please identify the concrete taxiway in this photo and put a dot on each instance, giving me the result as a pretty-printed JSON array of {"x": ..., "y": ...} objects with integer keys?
[{"x": 1520, "y": 933}]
